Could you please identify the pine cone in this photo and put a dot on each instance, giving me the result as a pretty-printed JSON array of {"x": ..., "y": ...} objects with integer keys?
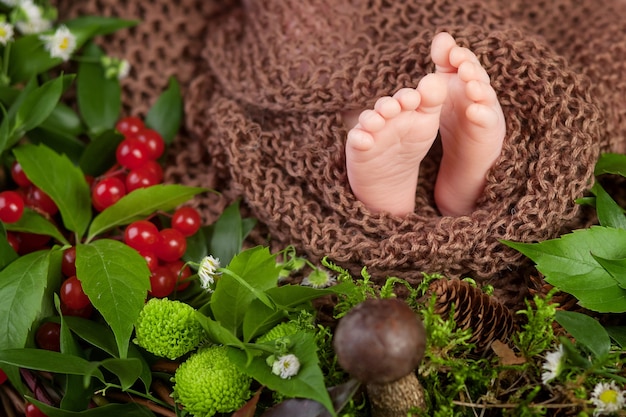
[{"x": 486, "y": 316}]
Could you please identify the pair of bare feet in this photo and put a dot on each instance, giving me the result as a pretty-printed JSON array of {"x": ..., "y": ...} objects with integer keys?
[{"x": 385, "y": 147}]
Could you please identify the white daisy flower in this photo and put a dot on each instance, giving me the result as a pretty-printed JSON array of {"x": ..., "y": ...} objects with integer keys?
[
  {"x": 607, "y": 398},
  {"x": 6, "y": 33},
  {"x": 319, "y": 279},
  {"x": 32, "y": 20},
  {"x": 207, "y": 271},
  {"x": 61, "y": 44},
  {"x": 286, "y": 366},
  {"x": 553, "y": 365}
]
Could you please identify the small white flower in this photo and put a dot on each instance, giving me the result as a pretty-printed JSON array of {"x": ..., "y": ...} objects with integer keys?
[
  {"x": 31, "y": 18},
  {"x": 607, "y": 398},
  {"x": 207, "y": 271},
  {"x": 286, "y": 366},
  {"x": 123, "y": 69},
  {"x": 553, "y": 365},
  {"x": 6, "y": 33},
  {"x": 61, "y": 44},
  {"x": 319, "y": 279},
  {"x": 115, "y": 67},
  {"x": 10, "y": 3}
]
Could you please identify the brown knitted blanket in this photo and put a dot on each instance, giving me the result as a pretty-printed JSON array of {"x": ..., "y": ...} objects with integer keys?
[{"x": 265, "y": 82}]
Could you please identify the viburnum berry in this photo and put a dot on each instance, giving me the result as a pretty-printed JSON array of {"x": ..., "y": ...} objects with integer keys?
[
  {"x": 19, "y": 176},
  {"x": 153, "y": 140},
  {"x": 107, "y": 192},
  {"x": 33, "y": 411},
  {"x": 3, "y": 377},
  {"x": 141, "y": 235},
  {"x": 68, "y": 262},
  {"x": 38, "y": 200},
  {"x": 131, "y": 153},
  {"x": 155, "y": 168},
  {"x": 151, "y": 259},
  {"x": 181, "y": 272},
  {"x": 162, "y": 282},
  {"x": 129, "y": 125},
  {"x": 171, "y": 245},
  {"x": 31, "y": 242},
  {"x": 13, "y": 241},
  {"x": 72, "y": 294},
  {"x": 11, "y": 206},
  {"x": 140, "y": 178},
  {"x": 186, "y": 220},
  {"x": 48, "y": 336}
]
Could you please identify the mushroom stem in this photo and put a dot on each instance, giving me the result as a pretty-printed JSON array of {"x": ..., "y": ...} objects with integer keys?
[{"x": 396, "y": 399}]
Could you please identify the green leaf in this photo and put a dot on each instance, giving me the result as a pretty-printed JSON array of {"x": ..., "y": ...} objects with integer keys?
[
  {"x": 7, "y": 254},
  {"x": 259, "y": 318},
  {"x": 101, "y": 336},
  {"x": 166, "y": 113},
  {"x": 611, "y": 163},
  {"x": 610, "y": 214},
  {"x": 116, "y": 280},
  {"x": 99, "y": 98},
  {"x": 99, "y": 155},
  {"x": 33, "y": 222},
  {"x": 49, "y": 361},
  {"x": 618, "y": 334},
  {"x": 127, "y": 370},
  {"x": 218, "y": 333},
  {"x": 60, "y": 132},
  {"x": 131, "y": 409},
  {"x": 227, "y": 236},
  {"x": 28, "y": 58},
  {"x": 308, "y": 383},
  {"x": 141, "y": 203},
  {"x": 568, "y": 264},
  {"x": 22, "y": 289},
  {"x": 586, "y": 330},
  {"x": 58, "y": 177},
  {"x": 257, "y": 267},
  {"x": 39, "y": 104},
  {"x": 615, "y": 267}
]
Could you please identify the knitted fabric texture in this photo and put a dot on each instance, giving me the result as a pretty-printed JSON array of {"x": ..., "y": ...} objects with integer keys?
[{"x": 266, "y": 82}]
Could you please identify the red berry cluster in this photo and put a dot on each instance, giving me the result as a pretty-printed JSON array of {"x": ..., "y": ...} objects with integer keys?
[
  {"x": 137, "y": 165},
  {"x": 163, "y": 249}
]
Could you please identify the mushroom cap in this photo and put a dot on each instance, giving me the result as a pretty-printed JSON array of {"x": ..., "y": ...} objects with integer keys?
[{"x": 380, "y": 341}]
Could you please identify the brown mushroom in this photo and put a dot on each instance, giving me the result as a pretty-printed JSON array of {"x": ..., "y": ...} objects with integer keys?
[{"x": 381, "y": 342}]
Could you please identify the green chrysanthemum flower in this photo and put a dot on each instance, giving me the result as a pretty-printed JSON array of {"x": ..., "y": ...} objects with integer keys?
[
  {"x": 208, "y": 383},
  {"x": 168, "y": 328}
]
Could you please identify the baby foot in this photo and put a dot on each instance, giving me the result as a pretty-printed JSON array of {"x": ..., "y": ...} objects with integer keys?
[
  {"x": 472, "y": 127},
  {"x": 385, "y": 149}
]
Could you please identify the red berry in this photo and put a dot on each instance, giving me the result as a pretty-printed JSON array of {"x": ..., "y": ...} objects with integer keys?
[
  {"x": 181, "y": 272},
  {"x": 32, "y": 411},
  {"x": 48, "y": 336},
  {"x": 68, "y": 262},
  {"x": 171, "y": 245},
  {"x": 38, "y": 200},
  {"x": 155, "y": 168},
  {"x": 140, "y": 178},
  {"x": 72, "y": 294},
  {"x": 107, "y": 192},
  {"x": 18, "y": 175},
  {"x": 151, "y": 259},
  {"x": 3, "y": 377},
  {"x": 77, "y": 312},
  {"x": 31, "y": 242},
  {"x": 186, "y": 220},
  {"x": 129, "y": 125},
  {"x": 14, "y": 241},
  {"x": 141, "y": 235},
  {"x": 153, "y": 140},
  {"x": 131, "y": 153},
  {"x": 11, "y": 206},
  {"x": 162, "y": 282}
]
